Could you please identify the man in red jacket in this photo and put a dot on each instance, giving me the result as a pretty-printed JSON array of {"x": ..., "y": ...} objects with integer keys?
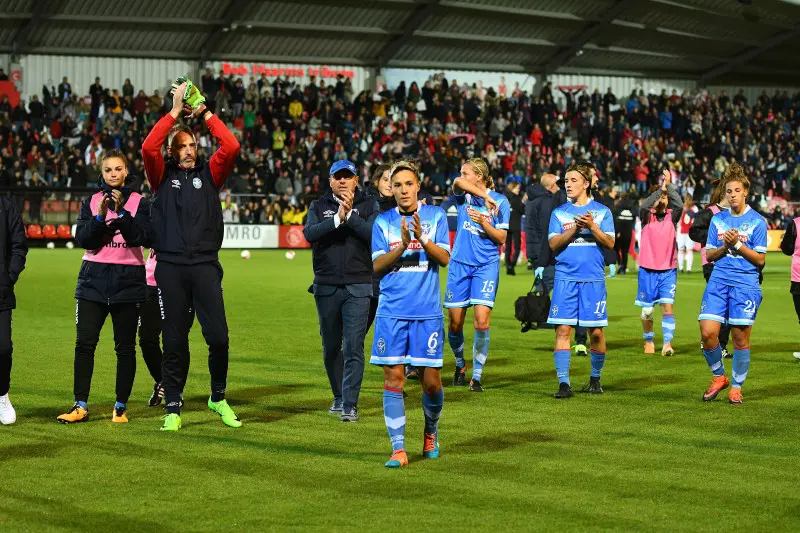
[{"x": 187, "y": 231}]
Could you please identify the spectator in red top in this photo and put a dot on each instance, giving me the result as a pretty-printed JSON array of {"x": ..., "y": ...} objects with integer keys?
[
  {"x": 536, "y": 135},
  {"x": 640, "y": 172}
]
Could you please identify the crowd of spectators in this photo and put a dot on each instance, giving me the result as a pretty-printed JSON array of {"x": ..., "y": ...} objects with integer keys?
[{"x": 291, "y": 133}]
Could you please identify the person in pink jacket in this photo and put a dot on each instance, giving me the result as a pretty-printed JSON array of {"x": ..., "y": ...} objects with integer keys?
[
  {"x": 113, "y": 226},
  {"x": 790, "y": 245}
]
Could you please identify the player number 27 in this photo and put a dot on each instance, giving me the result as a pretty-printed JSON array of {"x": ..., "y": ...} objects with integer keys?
[
  {"x": 601, "y": 308},
  {"x": 488, "y": 286}
]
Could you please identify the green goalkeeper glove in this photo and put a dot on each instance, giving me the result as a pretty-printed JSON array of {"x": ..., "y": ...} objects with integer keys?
[{"x": 193, "y": 96}]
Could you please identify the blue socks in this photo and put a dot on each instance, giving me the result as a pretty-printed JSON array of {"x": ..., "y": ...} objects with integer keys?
[
  {"x": 82, "y": 404},
  {"x": 741, "y": 362},
  {"x": 649, "y": 337},
  {"x": 561, "y": 358},
  {"x": 714, "y": 360},
  {"x": 668, "y": 327},
  {"x": 432, "y": 406},
  {"x": 119, "y": 405},
  {"x": 598, "y": 360},
  {"x": 480, "y": 349},
  {"x": 457, "y": 345},
  {"x": 394, "y": 414}
]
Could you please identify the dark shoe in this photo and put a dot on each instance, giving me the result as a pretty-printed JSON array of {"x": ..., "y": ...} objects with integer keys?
[
  {"x": 336, "y": 407},
  {"x": 411, "y": 372},
  {"x": 475, "y": 386},
  {"x": 458, "y": 377},
  {"x": 157, "y": 396},
  {"x": 349, "y": 415},
  {"x": 726, "y": 354},
  {"x": 593, "y": 387},
  {"x": 564, "y": 391}
]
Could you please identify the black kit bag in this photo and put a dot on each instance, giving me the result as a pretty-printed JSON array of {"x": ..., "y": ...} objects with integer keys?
[{"x": 533, "y": 308}]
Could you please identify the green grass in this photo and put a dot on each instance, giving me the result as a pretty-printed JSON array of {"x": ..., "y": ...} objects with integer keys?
[{"x": 646, "y": 456}]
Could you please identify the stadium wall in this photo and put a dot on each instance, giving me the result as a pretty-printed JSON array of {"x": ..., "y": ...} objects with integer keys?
[{"x": 147, "y": 74}]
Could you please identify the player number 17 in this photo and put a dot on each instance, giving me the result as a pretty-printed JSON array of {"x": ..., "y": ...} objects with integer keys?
[{"x": 601, "y": 308}]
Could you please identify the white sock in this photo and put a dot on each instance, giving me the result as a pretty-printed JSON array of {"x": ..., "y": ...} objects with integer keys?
[
  {"x": 689, "y": 260},
  {"x": 681, "y": 256}
]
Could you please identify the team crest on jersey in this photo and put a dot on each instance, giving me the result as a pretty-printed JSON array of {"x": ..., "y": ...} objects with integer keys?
[
  {"x": 555, "y": 310},
  {"x": 381, "y": 345},
  {"x": 449, "y": 296},
  {"x": 744, "y": 227},
  {"x": 426, "y": 227},
  {"x": 197, "y": 183}
]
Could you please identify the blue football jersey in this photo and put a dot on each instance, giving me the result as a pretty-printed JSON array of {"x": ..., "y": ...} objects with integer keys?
[
  {"x": 582, "y": 259},
  {"x": 472, "y": 245},
  {"x": 732, "y": 268},
  {"x": 410, "y": 288}
]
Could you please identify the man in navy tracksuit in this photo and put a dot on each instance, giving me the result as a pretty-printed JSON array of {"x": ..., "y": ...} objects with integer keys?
[
  {"x": 339, "y": 228},
  {"x": 187, "y": 231}
]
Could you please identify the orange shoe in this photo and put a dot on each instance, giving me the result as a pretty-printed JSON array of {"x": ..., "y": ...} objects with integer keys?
[
  {"x": 120, "y": 416},
  {"x": 649, "y": 348},
  {"x": 398, "y": 460},
  {"x": 718, "y": 384},
  {"x": 430, "y": 450},
  {"x": 75, "y": 414},
  {"x": 735, "y": 396}
]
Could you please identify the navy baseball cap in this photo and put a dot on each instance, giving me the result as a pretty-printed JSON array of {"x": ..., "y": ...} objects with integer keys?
[{"x": 343, "y": 165}]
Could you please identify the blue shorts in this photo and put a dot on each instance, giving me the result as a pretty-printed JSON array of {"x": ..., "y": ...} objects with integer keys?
[
  {"x": 471, "y": 285},
  {"x": 656, "y": 287},
  {"x": 408, "y": 342},
  {"x": 738, "y": 306},
  {"x": 579, "y": 303}
]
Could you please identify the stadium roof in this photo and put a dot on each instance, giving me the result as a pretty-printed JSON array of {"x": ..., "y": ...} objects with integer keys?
[{"x": 718, "y": 41}]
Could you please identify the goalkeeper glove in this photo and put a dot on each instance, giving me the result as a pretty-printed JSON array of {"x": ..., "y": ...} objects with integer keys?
[{"x": 193, "y": 96}]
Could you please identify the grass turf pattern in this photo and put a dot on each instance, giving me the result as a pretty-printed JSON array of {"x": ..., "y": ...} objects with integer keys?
[{"x": 648, "y": 455}]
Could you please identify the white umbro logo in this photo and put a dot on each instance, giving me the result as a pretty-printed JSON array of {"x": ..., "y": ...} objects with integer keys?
[{"x": 328, "y": 214}]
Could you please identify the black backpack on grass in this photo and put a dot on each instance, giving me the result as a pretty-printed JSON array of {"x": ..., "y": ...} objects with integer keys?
[{"x": 533, "y": 308}]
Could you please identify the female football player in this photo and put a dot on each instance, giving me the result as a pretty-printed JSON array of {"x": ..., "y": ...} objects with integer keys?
[
  {"x": 474, "y": 274},
  {"x": 409, "y": 244},
  {"x": 699, "y": 233},
  {"x": 579, "y": 231},
  {"x": 737, "y": 245},
  {"x": 658, "y": 262},
  {"x": 112, "y": 227}
]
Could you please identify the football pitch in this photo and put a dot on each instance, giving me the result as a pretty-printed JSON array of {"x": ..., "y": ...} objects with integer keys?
[{"x": 648, "y": 455}]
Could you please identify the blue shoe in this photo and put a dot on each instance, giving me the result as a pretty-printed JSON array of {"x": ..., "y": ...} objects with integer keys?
[{"x": 431, "y": 448}]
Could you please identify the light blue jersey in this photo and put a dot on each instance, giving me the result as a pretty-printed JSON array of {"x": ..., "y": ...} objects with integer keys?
[
  {"x": 472, "y": 245},
  {"x": 582, "y": 259},
  {"x": 410, "y": 288},
  {"x": 732, "y": 268}
]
